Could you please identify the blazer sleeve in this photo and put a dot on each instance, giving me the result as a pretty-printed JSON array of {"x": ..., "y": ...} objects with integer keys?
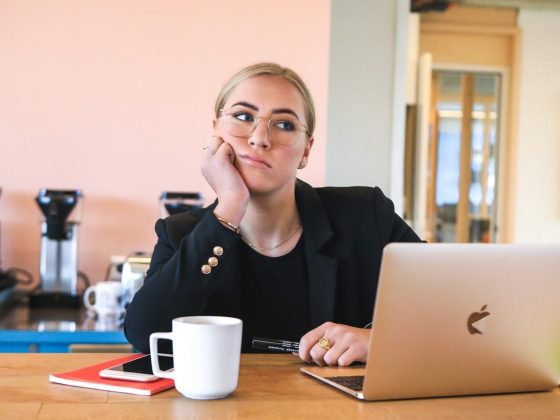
[
  {"x": 175, "y": 284},
  {"x": 392, "y": 228}
]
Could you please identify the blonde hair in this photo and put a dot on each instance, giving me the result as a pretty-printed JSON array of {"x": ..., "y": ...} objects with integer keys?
[{"x": 269, "y": 69}]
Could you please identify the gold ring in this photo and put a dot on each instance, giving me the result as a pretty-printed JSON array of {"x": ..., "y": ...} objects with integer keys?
[{"x": 324, "y": 343}]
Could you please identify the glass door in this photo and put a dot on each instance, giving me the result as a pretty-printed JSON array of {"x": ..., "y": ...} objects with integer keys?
[{"x": 463, "y": 154}]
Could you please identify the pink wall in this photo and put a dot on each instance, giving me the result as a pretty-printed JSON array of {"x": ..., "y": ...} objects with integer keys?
[{"x": 115, "y": 98}]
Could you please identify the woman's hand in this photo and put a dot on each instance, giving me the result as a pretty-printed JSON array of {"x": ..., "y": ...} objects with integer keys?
[
  {"x": 218, "y": 169},
  {"x": 347, "y": 345}
]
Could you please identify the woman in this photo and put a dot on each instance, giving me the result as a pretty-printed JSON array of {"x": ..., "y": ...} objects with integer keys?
[{"x": 290, "y": 260}]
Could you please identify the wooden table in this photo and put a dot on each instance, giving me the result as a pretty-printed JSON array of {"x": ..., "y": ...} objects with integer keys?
[{"x": 270, "y": 386}]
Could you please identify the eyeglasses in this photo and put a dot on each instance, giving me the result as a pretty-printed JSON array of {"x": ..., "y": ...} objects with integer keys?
[{"x": 282, "y": 129}]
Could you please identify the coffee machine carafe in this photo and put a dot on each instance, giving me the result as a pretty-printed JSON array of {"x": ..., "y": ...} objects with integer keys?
[{"x": 59, "y": 248}]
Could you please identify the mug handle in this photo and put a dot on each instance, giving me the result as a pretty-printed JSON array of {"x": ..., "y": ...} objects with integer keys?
[
  {"x": 154, "y": 337},
  {"x": 88, "y": 292}
]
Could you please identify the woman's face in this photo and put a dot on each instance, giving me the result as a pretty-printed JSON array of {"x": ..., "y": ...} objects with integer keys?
[{"x": 268, "y": 157}]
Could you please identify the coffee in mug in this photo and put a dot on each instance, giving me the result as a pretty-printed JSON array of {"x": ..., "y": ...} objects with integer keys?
[{"x": 206, "y": 351}]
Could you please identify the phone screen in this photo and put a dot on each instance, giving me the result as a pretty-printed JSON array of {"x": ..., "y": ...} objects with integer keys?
[{"x": 144, "y": 365}]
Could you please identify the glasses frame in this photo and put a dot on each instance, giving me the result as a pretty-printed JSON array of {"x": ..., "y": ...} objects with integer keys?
[{"x": 305, "y": 130}]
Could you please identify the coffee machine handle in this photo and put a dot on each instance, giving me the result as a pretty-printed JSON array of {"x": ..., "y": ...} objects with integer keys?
[{"x": 89, "y": 291}]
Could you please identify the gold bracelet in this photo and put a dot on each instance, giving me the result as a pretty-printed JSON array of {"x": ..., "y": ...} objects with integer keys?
[{"x": 229, "y": 225}]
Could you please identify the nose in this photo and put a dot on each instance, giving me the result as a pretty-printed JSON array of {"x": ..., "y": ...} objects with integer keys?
[{"x": 260, "y": 136}]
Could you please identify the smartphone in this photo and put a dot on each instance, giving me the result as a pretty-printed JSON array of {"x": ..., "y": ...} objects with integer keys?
[{"x": 138, "y": 369}]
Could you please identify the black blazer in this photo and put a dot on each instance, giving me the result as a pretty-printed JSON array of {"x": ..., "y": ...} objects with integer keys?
[{"x": 345, "y": 230}]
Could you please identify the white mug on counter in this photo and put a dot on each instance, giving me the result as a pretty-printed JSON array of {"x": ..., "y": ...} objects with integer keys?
[
  {"x": 206, "y": 352},
  {"x": 106, "y": 297}
]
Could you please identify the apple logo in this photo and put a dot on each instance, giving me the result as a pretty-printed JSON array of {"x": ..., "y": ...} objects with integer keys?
[{"x": 476, "y": 323}]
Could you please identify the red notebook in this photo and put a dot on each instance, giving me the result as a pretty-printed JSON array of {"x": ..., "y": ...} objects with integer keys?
[{"x": 88, "y": 377}]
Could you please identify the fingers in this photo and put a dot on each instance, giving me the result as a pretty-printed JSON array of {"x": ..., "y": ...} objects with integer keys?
[
  {"x": 317, "y": 354},
  {"x": 218, "y": 168},
  {"x": 226, "y": 151},
  {"x": 347, "y": 345},
  {"x": 218, "y": 148},
  {"x": 331, "y": 357},
  {"x": 309, "y": 340},
  {"x": 350, "y": 356},
  {"x": 213, "y": 144}
]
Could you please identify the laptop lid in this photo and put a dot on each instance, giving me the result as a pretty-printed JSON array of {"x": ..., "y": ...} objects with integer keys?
[{"x": 460, "y": 319}]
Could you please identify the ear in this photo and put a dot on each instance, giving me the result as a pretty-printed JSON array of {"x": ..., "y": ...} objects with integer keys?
[
  {"x": 214, "y": 124},
  {"x": 306, "y": 152}
]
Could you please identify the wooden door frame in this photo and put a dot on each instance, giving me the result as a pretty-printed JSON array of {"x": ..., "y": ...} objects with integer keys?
[{"x": 457, "y": 36}]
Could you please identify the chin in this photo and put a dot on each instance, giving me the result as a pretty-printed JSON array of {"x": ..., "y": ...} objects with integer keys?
[
  {"x": 261, "y": 185},
  {"x": 265, "y": 181}
]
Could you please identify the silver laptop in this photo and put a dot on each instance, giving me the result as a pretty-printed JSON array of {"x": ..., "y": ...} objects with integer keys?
[{"x": 460, "y": 319}]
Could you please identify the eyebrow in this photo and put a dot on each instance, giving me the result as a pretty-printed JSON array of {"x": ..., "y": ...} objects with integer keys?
[{"x": 274, "y": 111}]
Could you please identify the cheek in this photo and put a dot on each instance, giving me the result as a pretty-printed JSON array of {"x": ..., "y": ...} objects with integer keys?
[
  {"x": 235, "y": 142},
  {"x": 296, "y": 159},
  {"x": 219, "y": 131},
  {"x": 290, "y": 163},
  {"x": 297, "y": 154}
]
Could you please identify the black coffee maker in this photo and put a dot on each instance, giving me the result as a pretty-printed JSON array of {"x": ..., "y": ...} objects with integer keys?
[
  {"x": 177, "y": 202},
  {"x": 59, "y": 248}
]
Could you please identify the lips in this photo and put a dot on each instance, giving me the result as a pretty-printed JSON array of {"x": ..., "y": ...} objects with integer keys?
[{"x": 254, "y": 161}]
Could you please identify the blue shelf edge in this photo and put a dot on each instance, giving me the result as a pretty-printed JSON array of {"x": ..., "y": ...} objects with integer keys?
[
  {"x": 73, "y": 337},
  {"x": 15, "y": 341}
]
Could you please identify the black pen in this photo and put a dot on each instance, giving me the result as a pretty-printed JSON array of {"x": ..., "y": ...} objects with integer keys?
[{"x": 275, "y": 344}]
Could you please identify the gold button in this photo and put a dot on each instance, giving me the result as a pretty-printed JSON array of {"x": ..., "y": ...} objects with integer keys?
[
  {"x": 206, "y": 269},
  {"x": 213, "y": 261},
  {"x": 218, "y": 250}
]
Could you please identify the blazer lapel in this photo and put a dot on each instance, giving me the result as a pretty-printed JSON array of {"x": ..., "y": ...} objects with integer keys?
[{"x": 321, "y": 269}]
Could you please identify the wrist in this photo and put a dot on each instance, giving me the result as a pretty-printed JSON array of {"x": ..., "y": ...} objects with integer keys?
[
  {"x": 227, "y": 224},
  {"x": 233, "y": 212}
]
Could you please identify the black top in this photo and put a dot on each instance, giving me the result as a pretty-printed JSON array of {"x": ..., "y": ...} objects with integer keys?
[
  {"x": 344, "y": 231},
  {"x": 275, "y": 297}
]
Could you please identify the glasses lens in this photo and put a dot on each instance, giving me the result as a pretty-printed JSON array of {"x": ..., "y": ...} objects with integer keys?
[
  {"x": 282, "y": 129},
  {"x": 285, "y": 129},
  {"x": 238, "y": 123}
]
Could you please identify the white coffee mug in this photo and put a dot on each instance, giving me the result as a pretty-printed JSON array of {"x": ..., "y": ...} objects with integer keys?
[
  {"x": 106, "y": 298},
  {"x": 206, "y": 353}
]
